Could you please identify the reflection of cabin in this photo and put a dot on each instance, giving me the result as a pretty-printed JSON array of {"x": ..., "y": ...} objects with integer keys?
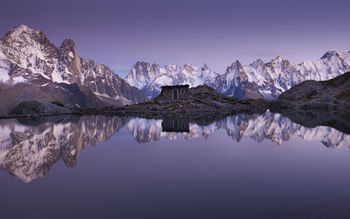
[
  {"x": 177, "y": 92},
  {"x": 175, "y": 125}
]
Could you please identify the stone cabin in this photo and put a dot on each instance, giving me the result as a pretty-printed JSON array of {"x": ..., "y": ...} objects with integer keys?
[{"x": 176, "y": 92}]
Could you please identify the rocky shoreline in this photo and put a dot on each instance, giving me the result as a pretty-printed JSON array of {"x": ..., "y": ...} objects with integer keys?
[{"x": 204, "y": 101}]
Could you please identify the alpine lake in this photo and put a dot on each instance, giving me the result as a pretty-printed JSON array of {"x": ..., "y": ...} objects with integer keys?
[{"x": 241, "y": 166}]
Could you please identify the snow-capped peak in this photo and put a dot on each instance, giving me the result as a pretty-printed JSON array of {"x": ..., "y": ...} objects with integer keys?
[
  {"x": 234, "y": 67},
  {"x": 329, "y": 54},
  {"x": 150, "y": 77},
  {"x": 271, "y": 78},
  {"x": 27, "y": 54},
  {"x": 16, "y": 31},
  {"x": 278, "y": 59},
  {"x": 205, "y": 67},
  {"x": 257, "y": 63},
  {"x": 234, "y": 71}
]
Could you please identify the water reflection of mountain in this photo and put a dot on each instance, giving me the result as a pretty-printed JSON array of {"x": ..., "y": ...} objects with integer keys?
[
  {"x": 28, "y": 149},
  {"x": 274, "y": 127}
]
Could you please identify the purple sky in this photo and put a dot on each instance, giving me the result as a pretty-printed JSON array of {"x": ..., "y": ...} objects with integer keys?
[{"x": 119, "y": 33}]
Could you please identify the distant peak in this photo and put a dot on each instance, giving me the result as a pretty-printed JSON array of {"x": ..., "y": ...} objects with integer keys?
[
  {"x": 277, "y": 59},
  {"x": 258, "y": 61},
  {"x": 188, "y": 66},
  {"x": 236, "y": 64},
  {"x": 171, "y": 66},
  {"x": 141, "y": 64},
  {"x": 18, "y": 30},
  {"x": 28, "y": 33},
  {"x": 138, "y": 62},
  {"x": 205, "y": 67},
  {"x": 68, "y": 47},
  {"x": 69, "y": 42},
  {"x": 328, "y": 54},
  {"x": 155, "y": 65}
]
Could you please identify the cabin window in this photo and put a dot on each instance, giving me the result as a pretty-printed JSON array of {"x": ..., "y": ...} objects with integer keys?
[
  {"x": 175, "y": 94},
  {"x": 182, "y": 91},
  {"x": 175, "y": 124}
]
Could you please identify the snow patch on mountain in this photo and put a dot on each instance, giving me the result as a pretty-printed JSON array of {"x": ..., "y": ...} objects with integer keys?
[{"x": 4, "y": 70}]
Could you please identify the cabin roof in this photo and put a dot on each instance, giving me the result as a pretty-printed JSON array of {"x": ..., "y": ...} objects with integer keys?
[{"x": 175, "y": 86}]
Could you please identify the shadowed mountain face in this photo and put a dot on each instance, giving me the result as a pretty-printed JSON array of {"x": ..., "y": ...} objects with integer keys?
[{"x": 29, "y": 148}]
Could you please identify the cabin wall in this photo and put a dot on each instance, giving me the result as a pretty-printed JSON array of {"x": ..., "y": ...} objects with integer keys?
[{"x": 182, "y": 93}]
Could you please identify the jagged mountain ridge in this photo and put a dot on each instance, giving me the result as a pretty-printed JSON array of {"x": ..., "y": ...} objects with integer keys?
[
  {"x": 27, "y": 55},
  {"x": 259, "y": 79},
  {"x": 150, "y": 77}
]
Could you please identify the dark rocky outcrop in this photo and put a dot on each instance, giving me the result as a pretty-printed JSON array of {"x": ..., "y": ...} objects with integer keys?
[
  {"x": 331, "y": 95},
  {"x": 202, "y": 101},
  {"x": 35, "y": 107},
  {"x": 48, "y": 92}
]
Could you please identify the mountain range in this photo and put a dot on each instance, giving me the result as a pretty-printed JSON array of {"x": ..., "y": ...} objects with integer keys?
[
  {"x": 31, "y": 67},
  {"x": 256, "y": 80}
]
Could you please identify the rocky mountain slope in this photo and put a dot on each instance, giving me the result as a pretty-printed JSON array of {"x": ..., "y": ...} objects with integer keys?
[
  {"x": 255, "y": 80},
  {"x": 332, "y": 94},
  {"x": 28, "y": 58}
]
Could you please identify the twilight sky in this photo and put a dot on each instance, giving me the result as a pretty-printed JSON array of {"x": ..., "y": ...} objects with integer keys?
[{"x": 217, "y": 32}]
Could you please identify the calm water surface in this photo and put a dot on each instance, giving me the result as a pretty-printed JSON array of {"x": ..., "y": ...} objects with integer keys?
[{"x": 244, "y": 166}]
